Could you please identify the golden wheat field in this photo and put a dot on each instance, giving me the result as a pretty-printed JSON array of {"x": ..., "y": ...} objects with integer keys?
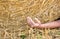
[{"x": 13, "y": 14}]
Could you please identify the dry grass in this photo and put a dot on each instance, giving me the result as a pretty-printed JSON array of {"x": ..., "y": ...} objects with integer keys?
[{"x": 13, "y": 13}]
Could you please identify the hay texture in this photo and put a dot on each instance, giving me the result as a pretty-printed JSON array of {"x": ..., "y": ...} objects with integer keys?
[{"x": 13, "y": 13}]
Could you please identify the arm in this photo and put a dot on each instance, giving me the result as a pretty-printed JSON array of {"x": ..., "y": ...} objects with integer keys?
[
  {"x": 38, "y": 24},
  {"x": 53, "y": 24}
]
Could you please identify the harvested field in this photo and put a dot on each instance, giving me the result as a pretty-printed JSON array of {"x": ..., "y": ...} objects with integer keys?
[{"x": 13, "y": 13}]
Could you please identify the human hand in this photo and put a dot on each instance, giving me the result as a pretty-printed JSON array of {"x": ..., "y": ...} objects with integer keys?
[
  {"x": 32, "y": 23},
  {"x": 38, "y": 24}
]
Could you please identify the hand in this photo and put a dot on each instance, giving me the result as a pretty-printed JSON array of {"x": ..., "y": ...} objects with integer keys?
[
  {"x": 32, "y": 23},
  {"x": 38, "y": 24}
]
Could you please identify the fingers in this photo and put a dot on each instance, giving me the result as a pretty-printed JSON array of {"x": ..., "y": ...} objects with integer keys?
[
  {"x": 30, "y": 21},
  {"x": 37, "y": 21}
]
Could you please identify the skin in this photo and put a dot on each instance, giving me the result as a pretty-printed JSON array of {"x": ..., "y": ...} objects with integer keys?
[{"x": 38, "y": 24}]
